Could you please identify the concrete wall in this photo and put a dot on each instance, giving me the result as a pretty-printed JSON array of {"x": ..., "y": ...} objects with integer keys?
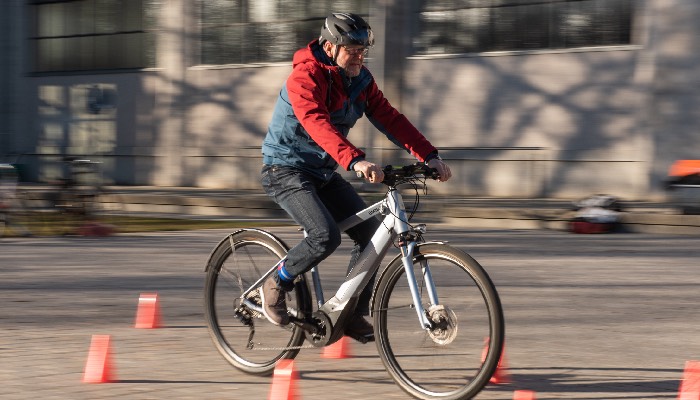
[
  {"x": 519, "y": 124},
  {"x": 674, "y": 112},
  {"x": 227, "y": 116},
  {"x": 550, "y": 124}
]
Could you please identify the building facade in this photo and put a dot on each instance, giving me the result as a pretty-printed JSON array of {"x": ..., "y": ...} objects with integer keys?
[{"x": 561, "y": 98}]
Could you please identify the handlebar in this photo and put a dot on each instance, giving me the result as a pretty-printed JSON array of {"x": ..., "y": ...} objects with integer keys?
[{"x": 394, "y": 175}]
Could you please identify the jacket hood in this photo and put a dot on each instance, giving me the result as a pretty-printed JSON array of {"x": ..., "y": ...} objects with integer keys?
[{"x": 313, "y": 53}]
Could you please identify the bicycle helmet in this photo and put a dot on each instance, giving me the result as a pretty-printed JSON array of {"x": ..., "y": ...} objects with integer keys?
[{"x": 345, "y": 28}]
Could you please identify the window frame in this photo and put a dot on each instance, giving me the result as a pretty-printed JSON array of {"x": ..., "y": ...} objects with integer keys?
[
  {"x": 452, "y": 50},
  {"x": 310, "y": 15},
  {"x": 88, "y": 48}
]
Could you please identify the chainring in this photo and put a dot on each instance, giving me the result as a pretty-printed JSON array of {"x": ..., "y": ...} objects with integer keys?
[{"x": 325, "y": 329}]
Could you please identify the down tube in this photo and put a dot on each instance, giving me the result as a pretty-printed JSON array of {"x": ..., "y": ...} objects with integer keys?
[{"x": 367, "y": 264}]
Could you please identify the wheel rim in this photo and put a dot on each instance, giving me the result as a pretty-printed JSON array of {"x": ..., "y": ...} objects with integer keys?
[
  {"x": 447, "y": 361},
  {"x": 238, "y": 270}
]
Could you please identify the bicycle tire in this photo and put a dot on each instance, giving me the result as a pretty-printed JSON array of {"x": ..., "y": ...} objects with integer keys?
[
  {"x": 448, "y": 363},
  {"x": 229, "y": 273}
]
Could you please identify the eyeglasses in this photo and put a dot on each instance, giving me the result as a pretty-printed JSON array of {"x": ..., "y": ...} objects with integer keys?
[{"x": 363, "y": 51}]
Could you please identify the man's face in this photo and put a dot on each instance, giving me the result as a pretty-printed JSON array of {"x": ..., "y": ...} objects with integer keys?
[{"x": 350, "y": 58}]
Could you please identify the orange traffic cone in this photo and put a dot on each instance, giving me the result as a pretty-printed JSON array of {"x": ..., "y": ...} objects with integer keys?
[
  {"x": 690, "y": 385},
  {"x": 339, "y": 349},
  {"x": 524, "y": 395},
  {"x": 98, "y": 368},
  {"x": 148, "y": 312},
  {"x": 501, "y": 374},
  {"x": 284, "y": 381}
]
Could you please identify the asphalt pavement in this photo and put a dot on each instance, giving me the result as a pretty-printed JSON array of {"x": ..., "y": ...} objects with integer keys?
[{"x": 610, "y": 316}]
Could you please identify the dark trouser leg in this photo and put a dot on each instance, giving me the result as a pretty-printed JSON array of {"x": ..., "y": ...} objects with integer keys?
[
  {"x": 297, "y": 194},
  {"x": 343, "y": 201},
  {"x": 316, "y": 206}
]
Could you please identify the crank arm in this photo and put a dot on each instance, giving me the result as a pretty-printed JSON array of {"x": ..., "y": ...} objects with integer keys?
[{"x": 303, "y": 324}]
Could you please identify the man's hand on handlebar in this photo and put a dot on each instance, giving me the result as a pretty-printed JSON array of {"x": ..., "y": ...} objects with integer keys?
[
  {"x": 442, "y": 169},
  {"x": 370, "y": 171}
]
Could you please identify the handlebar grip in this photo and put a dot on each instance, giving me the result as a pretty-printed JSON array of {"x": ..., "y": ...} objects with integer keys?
[{"x": 432, "y": 173}]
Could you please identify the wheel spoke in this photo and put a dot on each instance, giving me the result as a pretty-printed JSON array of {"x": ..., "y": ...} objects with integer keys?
[
  {"x": 236, "y": 264},
  {"x": 443, "y": 362}
]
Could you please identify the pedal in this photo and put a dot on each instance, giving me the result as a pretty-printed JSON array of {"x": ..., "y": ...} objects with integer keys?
[{"x": 362, "y": 339}]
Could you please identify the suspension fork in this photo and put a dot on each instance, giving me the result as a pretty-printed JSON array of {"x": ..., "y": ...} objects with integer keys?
[{"x": 407, "y": 249}]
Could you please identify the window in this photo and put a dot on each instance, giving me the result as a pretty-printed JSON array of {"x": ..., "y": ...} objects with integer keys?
[
  {"x": 472, "y": 26},
  {"x": 85, "y": 35},
  {"x": 254, "y": 31}
]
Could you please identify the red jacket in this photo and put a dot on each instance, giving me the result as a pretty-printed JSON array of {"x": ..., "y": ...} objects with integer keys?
[{"x": 311, "y": 122}]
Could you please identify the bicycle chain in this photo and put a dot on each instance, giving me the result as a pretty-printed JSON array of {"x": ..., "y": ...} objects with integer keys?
[
  {"x": 308, "y": 346},
  {"x": 256, "y": 314}
]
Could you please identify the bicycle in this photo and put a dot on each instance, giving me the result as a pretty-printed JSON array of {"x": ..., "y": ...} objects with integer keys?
[
  {"x": 76, "y": 194},
  {"x": 70, "y": 201},
  {"x": 14, "y": 217},
  {"x": 439, "y": 331}
]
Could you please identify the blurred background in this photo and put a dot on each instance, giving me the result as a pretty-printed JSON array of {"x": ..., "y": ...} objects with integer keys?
[{"x": 525, "y": 98}]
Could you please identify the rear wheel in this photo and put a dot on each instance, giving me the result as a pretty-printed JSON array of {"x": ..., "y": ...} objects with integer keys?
[
  {"x": 457, "y": 356},
  {"x": 243, "y": 336}
]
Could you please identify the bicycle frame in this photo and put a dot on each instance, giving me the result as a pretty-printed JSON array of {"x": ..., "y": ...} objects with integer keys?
[{"x": 395, "y": 224}]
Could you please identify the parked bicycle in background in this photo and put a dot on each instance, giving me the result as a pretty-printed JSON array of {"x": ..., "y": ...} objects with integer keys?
[
  {"x": 13, "y": 214},
  {"x": 76, "y": 192},
  {"x": 61, "y": 208},
  {"x": 73, "y": 198}
]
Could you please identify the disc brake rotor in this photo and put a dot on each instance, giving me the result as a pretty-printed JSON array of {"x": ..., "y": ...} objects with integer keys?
[{"x": 445, "y": 327}]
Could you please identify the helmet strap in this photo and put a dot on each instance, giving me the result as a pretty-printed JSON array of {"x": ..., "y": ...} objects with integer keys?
[{"x": 337, "y": 52}]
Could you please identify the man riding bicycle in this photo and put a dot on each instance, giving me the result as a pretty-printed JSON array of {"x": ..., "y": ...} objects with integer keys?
[{"x": 328, "y": 90}]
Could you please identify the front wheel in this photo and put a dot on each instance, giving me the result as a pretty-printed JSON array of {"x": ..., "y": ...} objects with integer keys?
[
  {"x": 457, "y": 356},
  {"x": 243, "y": 336}
]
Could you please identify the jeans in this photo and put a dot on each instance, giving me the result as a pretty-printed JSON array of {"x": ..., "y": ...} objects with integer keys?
[{"x": 317, "y": 205}]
